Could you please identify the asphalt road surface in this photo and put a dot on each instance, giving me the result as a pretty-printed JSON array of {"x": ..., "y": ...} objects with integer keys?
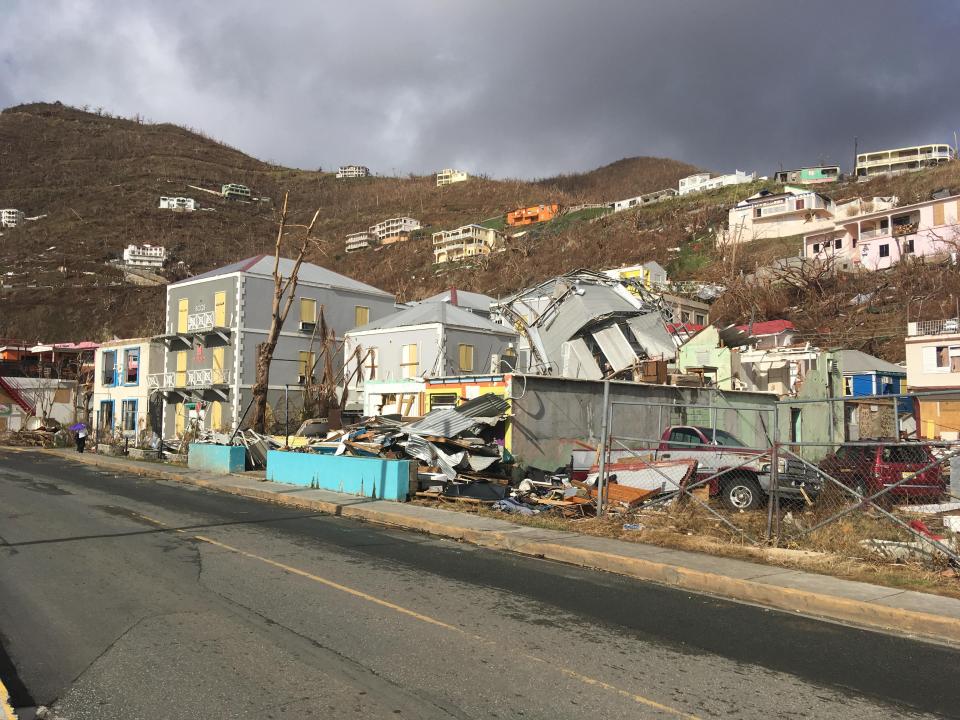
[{"x": 133, "y": 598}]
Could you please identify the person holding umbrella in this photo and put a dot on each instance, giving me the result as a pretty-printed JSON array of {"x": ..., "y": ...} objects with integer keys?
[{"x": 80, "y": 435}]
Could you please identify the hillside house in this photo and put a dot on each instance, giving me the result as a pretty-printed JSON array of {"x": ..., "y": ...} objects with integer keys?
[
  {"x": 701, "y": 182},
  {"x": 684, "y": 309},
  {"x": 880, "y": 239},
  {"x": 816, "y": 175},
  {"x": 215, "y": 321},
  {"x": 434, "y": 339},
  {"x": 640, "y": 200},
  {"x": 360, "y": 241},
  {"x": 450, "y": 176},
  {"x": 650, "y": 274},
  {"x": 393, "y": 230},
  {"x": 585, "y": 325},
  {"x": 933, "y": 369},
  {"x": 183, "y": 204},
  {"x": 352, "y": 171},
  {"x": 768, "y": 334},
  {"x": 899, "y": 160},
  {"x": 235, "y": 191},
  {"x": 144, "y": 256},
  {"x": 122, "y": 403},
  {"x": 532, "y": 214},
  {"x": 464, "y": 242},
  {"x": 768, "y": 215},
  {"x": 11, "y": 217}
]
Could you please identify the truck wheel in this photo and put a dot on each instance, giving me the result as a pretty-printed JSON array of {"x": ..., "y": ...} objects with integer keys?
[{"x": 741, "y": 492}]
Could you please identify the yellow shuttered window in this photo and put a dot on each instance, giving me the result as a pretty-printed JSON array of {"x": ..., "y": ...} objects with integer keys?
[
  {"x": 308, "y": 310},
  {"x": 409, "y": 363},
  {"x": 361, "y": 315},
  {"x": 466, "y": 358}
]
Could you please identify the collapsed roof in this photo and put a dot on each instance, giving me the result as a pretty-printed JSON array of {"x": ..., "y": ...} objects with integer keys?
[{"x": 587, "y": 325}]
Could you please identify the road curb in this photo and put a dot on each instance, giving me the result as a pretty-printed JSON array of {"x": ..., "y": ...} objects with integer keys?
[{"x": 863, "y": 614}]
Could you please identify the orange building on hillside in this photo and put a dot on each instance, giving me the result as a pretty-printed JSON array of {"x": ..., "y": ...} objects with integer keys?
[{"x": 532, "y": 214}]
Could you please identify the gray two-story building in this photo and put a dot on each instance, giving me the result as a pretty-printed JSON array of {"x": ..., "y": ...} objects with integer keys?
[{"x": 216, "y": 320}]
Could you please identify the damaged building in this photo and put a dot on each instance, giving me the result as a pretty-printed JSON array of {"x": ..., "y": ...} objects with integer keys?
[{"x": 589, "y": 326}]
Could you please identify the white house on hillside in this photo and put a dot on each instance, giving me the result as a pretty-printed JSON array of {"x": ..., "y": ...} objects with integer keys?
[
  {"x": 353, "y": 171},
  {"x": 11, "y": 217},
  {"x": 184, "y": 204},
  {"x": 774, "y": 215},
  {"x": 700, "y": 182},
  {"x": 145, "y": 256},
  {"x": 450, "y": 176}
]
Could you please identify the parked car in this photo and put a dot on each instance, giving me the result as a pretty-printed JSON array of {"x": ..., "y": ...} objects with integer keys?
[
  {"x": 744, "y": 482},
  {"x": 870, "y": 468}
]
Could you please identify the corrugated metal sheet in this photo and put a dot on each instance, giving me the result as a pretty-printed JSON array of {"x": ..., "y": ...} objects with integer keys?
[
  {"x": 652, "y": 335},
  {"x": 578, "y": 362},
  {"x": 616, "y": 348},
  {"x": 451, "y": 422}
]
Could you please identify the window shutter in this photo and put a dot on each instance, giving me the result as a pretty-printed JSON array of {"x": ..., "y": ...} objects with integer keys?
[{"x": 929, "y": 359}]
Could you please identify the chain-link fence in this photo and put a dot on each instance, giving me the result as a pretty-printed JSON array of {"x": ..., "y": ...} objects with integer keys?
[
  {"x": 850, "y": 475},
  {"x": 884, "y": 489},
  {"x": 705, "y": 466}
]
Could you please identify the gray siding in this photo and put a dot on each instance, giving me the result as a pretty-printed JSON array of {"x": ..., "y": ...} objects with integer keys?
[
  {"x": 248, "y": 309},
  {"x": 338, "y": 305},
  {"x": 550, "y": 414},
  {"x": 484, "y": 346},
  {"x": 388, "y": 344}
]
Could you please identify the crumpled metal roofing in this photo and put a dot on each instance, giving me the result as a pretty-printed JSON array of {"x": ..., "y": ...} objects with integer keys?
[{"x": 453, "y": 421}]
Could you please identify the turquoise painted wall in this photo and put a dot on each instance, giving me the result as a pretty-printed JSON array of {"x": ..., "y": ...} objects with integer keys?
[
  {"x": 366, "y": 477},
  {"x": 217, "y": 458}
]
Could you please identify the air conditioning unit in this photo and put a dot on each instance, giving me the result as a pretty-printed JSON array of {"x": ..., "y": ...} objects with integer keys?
[
  {"x": 307, "y": 326},
  {"x": 301, "y": 379}
]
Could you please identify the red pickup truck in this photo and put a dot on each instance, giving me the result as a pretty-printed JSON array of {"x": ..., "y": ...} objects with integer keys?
[{"x": 745, "y": 472}]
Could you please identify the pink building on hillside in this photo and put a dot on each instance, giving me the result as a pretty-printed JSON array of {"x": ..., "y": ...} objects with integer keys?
[{"x": 880, "y": 239}]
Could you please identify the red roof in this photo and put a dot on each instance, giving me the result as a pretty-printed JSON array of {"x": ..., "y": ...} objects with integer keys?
[
  {"x": 767, "y": 327},
  {"x": 676, "y": 328}
]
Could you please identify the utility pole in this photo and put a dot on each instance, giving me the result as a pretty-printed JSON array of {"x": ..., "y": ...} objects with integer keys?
[{"x": 856, "y": 151}]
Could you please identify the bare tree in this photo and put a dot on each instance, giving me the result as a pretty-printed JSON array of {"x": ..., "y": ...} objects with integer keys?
[{"x": 284, "y": 291}]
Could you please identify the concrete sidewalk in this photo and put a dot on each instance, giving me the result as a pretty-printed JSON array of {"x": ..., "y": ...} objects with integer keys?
[{"x": 931, "y": 617}]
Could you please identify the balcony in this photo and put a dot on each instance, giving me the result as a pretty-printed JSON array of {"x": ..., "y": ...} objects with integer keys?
[
  {"x": 200, "y": 321},
  {"x": 161, "y": 381},
  {"x": 206, "y": 377},
  {"x": 950, "y": 326},
  {"x": 201, "y": 325}
]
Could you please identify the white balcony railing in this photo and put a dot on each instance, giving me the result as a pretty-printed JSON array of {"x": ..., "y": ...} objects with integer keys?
[
  {"x": 160, "y": 381},
  {"x": 205, "y": 377},
  {"x": 951, "y": 326},
  {"x": 200, "y": 321}
]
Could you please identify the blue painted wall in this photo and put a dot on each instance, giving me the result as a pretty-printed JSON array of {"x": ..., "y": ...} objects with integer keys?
[
  {"x": 367, "y": 477},
  {"x": 217, "y": 458}
]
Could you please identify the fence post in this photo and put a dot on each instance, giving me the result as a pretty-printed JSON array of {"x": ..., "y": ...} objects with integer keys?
[
  {"x": 604, "y": 439},
  {"x": 772, "y": 494}
]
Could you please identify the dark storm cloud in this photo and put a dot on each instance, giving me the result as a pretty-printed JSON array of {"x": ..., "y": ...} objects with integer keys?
[{"x": 526, "y": 88}]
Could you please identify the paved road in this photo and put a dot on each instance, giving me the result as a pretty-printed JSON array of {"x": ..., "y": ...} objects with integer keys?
[{"x": 129, "y": 598}]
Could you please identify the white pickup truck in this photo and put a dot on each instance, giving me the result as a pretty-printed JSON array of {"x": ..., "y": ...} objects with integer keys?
[{"x": 743, "y": 482}]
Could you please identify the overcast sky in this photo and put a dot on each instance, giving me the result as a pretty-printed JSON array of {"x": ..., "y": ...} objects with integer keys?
[{"x": 521, "y": 88}]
